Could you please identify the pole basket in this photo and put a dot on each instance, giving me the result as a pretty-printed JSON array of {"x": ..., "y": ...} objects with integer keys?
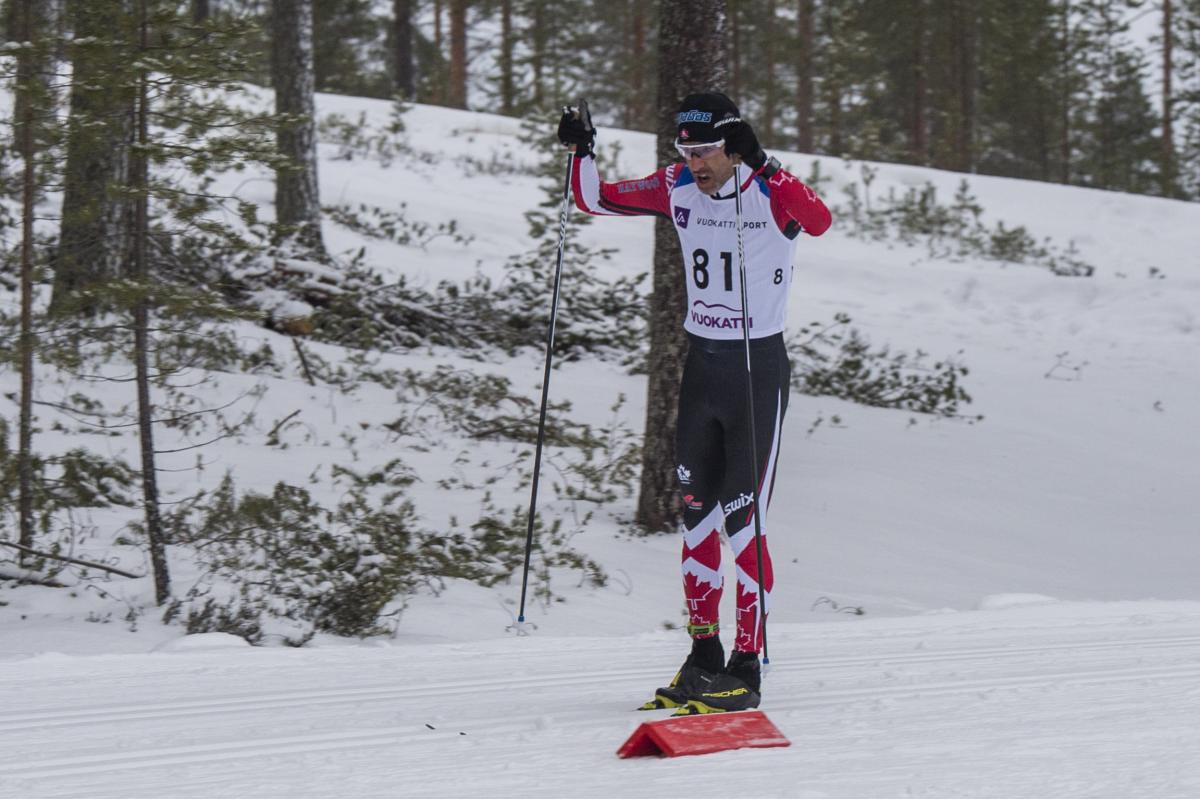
[{"x": 521, "y": 628}]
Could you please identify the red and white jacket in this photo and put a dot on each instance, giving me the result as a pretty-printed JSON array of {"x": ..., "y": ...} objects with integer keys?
[{"x": 775, "y": 210}]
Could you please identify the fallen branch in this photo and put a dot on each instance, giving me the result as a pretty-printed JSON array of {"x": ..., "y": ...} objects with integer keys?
[{"x": 67, "y": 559}]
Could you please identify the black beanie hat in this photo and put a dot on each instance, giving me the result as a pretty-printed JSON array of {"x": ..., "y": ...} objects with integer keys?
[{"x": 701, "y": 117}]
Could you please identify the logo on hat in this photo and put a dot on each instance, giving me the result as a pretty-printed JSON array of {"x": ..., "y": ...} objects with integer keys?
[{"x": 693, "y": 116}]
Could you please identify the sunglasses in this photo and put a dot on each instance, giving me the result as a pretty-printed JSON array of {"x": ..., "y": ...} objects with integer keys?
[{"x": 704, "y": 150}]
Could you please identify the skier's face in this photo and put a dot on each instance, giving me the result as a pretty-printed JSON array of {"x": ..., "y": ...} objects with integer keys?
[{"x": 711, "y": 171}]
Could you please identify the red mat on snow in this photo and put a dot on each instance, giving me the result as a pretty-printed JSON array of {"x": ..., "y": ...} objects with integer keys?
[{"x": 703, "y": 734}]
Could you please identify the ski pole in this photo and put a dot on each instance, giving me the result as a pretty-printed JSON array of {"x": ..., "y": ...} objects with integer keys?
[
  {"x": 521, "y": 627},
  {"x": 758, "y": 549}
]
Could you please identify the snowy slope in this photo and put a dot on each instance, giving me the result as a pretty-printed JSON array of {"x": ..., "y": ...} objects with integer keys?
[
  {"x": 1054, "y": 700},
  {"x": 1079, "y": 487}
]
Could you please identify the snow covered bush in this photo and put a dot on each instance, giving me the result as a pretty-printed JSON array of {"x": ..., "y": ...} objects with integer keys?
[
  {"x": 835, "y": 360},
  {"x": 953, "y": 231},
  {"x": 281, "y": 564}
]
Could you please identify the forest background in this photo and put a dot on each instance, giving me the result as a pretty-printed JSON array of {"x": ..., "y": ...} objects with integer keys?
[{"x": 122, "y": 238}]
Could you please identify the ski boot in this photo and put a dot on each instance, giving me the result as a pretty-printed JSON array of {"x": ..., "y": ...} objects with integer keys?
[
  {"x": 704, "y": 661},
  {"x": 738, "y": 687}
]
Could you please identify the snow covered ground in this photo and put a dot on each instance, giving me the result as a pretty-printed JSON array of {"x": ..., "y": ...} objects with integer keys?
[
  {"x": 1038, "y": 701},
  {"x": 1032, "y": 611}
]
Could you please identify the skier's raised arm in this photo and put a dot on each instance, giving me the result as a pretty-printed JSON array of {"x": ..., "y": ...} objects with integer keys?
[
  {"x": 648, "y": 196},
  {"x": 794, "y": 205}
]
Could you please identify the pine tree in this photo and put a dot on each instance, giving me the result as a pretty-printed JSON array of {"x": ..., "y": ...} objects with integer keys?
[
  {"x": 350, "y": 55},
  {"x": 608, "y": 58},
  {"x": 1187, "y": 98},
  {"x": 848, "y": 70},
  {"x": 1167, "y": 161},
  {"x": 1021, "y": 89},
  {"x": 1118, "y": 149},
  {"x": 550, "y": 29},
  {"x": 171, "y": 83},
  {"x": 953, "y": 83}
]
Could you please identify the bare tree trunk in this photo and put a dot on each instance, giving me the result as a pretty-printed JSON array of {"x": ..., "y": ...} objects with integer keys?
[
  {"x": 439, "y": 87},
  {"x": 508, "y": 88},
  {"x": 637, "y": 111},
  {"x": 139, "y": 182},
  {"x": 682, "y": 68},
  {"x": 201, "y": 10},
  {"x": 30, "y": 25},
  {"x": 968, "y": 85},
  {"x": 1168, "y": 100},
  {"x": 770, "y": 87},
  {"x": 804, "y": 75},
  {"x": 93, "y": 236},
  {"x": 735, "y": 49},
  {"x": 538, "y": 56},
  {"x": 918, "y": 134},
  {"x": 297, "y": 199},
  {"x": 457, "y": 97},
  {"x": 25, "y": 447},
  {"x": 1066, "y": 64},
  {"x": 833, "y": 87},
  {"x": 406, "y": 85}
]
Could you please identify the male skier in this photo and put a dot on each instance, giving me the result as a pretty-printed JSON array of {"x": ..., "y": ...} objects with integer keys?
[{"x": 712, "y": 440}]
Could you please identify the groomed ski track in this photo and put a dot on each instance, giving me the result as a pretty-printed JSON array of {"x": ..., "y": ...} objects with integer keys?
[{"x": 1037, "y": 702}]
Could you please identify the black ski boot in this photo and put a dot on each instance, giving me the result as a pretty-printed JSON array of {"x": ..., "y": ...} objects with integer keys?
[
  {"x": 705, "y": 660},
  {"x": 736, "y": 688},
  {"x": 745, "y": 666}
]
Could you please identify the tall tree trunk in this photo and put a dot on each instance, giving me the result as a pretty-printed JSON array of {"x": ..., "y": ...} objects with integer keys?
[
  {"x": 31, "y": 24},
  {"x": 1168, "y": 101},
  {"x": 439, "y": 85},
  {"x": 93, "y": 234},
  {"x": 637, "y": 111},
  {"x": 25, "y": 446},
  {"x": 402, "y": 31},
  {"x": 968, "y": 81},
  {"x": 682, "y": 68},
  {"x": 834, "y": 87},
  {"x": 538, "y": 56},
  {"x": 140, "y": 273},
  {"x": 1067, "y": 64},
  {"x": 297, "y": 199},
  {"x": 804, "y": 75},
  {"x": 201, "y": 10},
  {"x": 918, "y": 133},
  {"x": 735, "y": 49},
  {"x": 767, "y": 41},
  {"x": 508, "y": 84},
  {"x": 457, "y": 96}
]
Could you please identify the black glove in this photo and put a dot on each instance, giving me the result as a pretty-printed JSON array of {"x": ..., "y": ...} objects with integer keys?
[
  {"x": 575, "y": 127},
  {"x": 740, "y": 140}
]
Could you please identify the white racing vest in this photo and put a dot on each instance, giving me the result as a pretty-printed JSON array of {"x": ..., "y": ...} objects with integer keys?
[
  {"x": 774, "y": 212},
  {"x": 707, "y": 228}
]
